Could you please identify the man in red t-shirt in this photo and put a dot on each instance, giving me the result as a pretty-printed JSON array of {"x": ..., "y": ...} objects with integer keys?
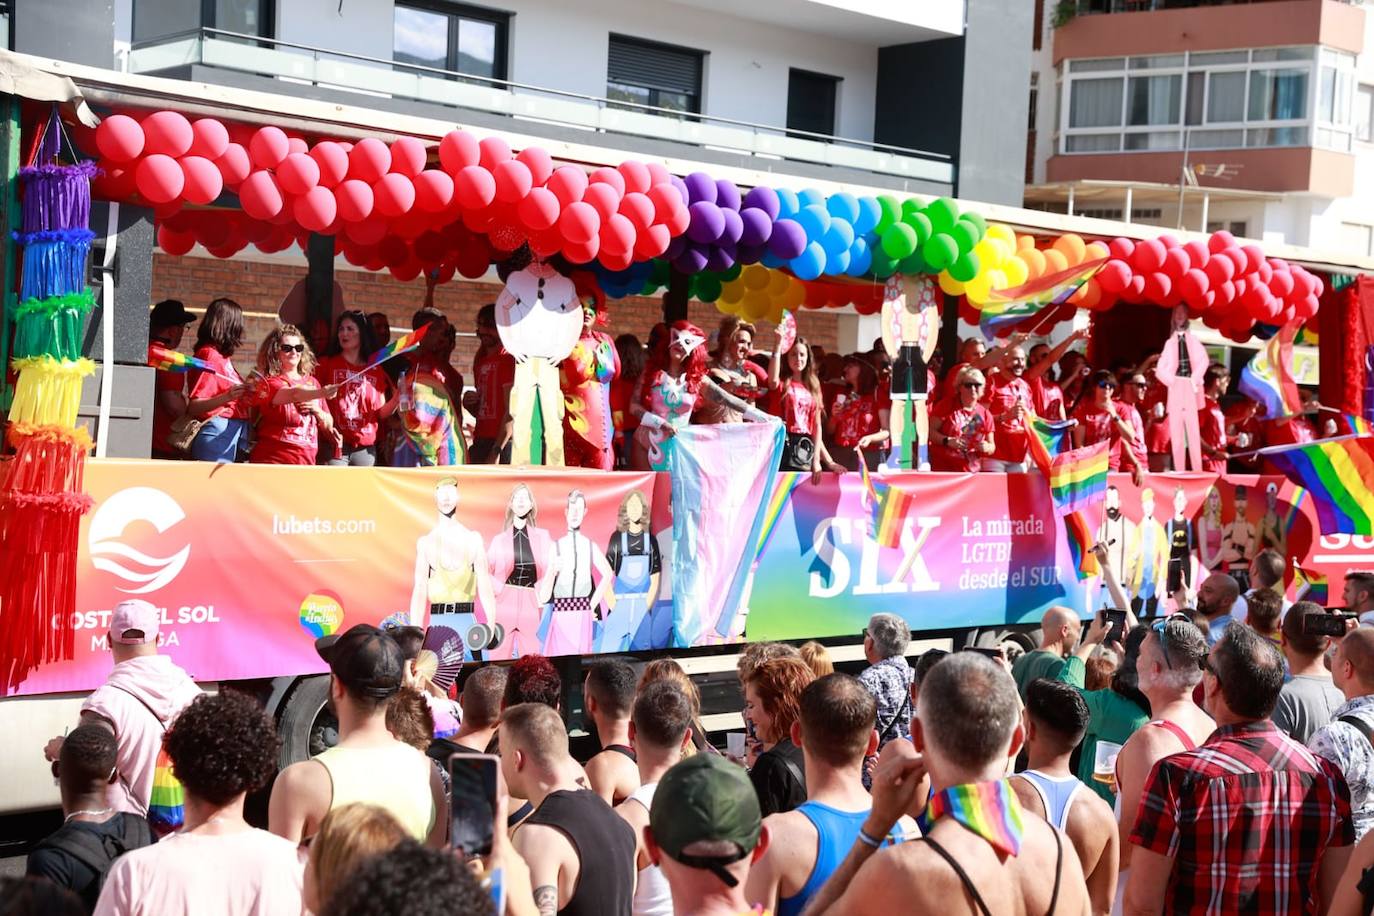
[
  {"x": 1128, "y": 409},
  {"x": 1211, "y": 420},
  {"x": 1008, "y": 399},
  {"x": 1047, "y": 398},
  {"x": 493, "y": 374},
  {"x": 166, "y": 325}
]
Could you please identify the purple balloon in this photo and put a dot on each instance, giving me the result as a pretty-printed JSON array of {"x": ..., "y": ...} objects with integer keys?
[
  {"x": 681, "y": 189},
  {"x": 707, "y": 222},
  {"x": 700, "y": 186},
  {"x": 720, "y": 259},
  {"x": 734, "y": 226},
  {"x": 750, "y": 254},
  {"x": 676, "y": 247},
  {"x": 758, "y": 225},
  {"x": 691, "y": 261},
  {"x": 765, "y": 199},
  {"x": 727, "y": 195},
  {"x": 788, "y": 239}
]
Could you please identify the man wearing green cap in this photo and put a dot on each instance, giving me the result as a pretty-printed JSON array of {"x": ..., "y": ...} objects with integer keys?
[{"x": 705, "y": 831}]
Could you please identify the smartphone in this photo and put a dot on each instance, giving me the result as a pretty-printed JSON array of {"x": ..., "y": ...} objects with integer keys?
[
  {"x": 473, "y": 786},
  {"x": 996, "y": 654},
  {"x": 1331, "y": 623},
  {"x": 1116, "y": 624}
]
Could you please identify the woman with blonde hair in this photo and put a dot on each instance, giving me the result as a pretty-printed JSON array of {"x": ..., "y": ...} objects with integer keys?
[
  {"x": 961, "y": 434},
  {"x": 289, "y": 402},
  {"x": 523, "y": 566},
  {"x": 349, "y": 835},
  {"x": 818, "y": 657},
  {"x": 633, "y": 555}
]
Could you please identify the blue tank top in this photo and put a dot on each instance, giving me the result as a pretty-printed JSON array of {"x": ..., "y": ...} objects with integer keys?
[
  {"x": 836, "y": 832},
  {"x": 1056, "y": 794}
]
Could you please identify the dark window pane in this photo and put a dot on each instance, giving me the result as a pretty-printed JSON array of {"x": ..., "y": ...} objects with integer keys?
[
  {"x": 240, "y": 16},
  {"x": 421, "y": 38},
  {"x": 620, "y": 92},
  {"x": 675, "y": 73},
  {"x": 477, "y": 47},
  {"x": 675, "y": 101},
  {"x": 811, "y": 102},
  {"x": 158, "y": 18}
]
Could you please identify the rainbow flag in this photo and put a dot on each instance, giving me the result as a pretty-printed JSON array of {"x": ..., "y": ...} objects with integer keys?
[
  {"x": 1310, "y": 586},
  {"x": 1078, "y": 478},
  {"x": 431, "y": 426},
  {"x": 166, "y": 805},
  {"x": 167, "y": 360},
  {"x": 1268, "y": 377},
  {"x": 403, "y": 344},
  {"x": 1080, "y": 536},
  {"x": 1051, "y": 438},
  {"x": 1338, "y": 472},
  {"x": 783, "y": 485},
  {"x": 1007, "y": 308},
  {"x": 889, "y": 506}
]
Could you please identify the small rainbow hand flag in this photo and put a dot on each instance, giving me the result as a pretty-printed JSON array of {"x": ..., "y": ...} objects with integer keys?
[
  {"x": 168, "y": 360},
  {"x": 403, "y": 344},
  {"x": 1310, "y": 586},
  {"x": 889, "y": 505},
  {"x": 1268, "y": 377},
  {"x": 1078, "y": 478}
]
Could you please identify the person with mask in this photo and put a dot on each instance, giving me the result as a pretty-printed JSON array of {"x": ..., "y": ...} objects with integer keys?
[{"x": 1180, "y": 369}]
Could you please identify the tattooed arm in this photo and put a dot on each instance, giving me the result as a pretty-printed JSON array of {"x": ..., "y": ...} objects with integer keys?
[{"x": 553, "y": 865}]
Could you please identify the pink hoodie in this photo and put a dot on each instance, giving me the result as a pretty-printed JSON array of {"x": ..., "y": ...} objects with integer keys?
[{"x": 166, "y": 690}]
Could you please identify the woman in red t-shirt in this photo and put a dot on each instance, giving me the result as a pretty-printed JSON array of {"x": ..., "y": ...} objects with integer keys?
[
  {"x": 218, "y": 396},
  {"x": 963, "y": 429},
  {"x": 631, "y": 353},
  {"x": 289, "y": 402},
  {"x": 362, "y": 404},
  {"x": 797, "y": 396},
  {"x": 1099, "y": 421},
  {"x": 856, "y": 424}
]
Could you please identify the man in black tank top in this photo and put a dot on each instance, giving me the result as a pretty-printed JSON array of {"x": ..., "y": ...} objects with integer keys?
[
  {"x": 581, "y": 854},
  {"x": 608, "y": 696}
]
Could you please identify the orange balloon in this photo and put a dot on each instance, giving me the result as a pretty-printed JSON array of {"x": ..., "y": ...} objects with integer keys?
[
  {"x": 1034, "y": 259},
  {"x": 1055, "y": 261},
  {"x": 1092, "y": 296},
  {"x": 1025, "y": 241},
  {"x": 1096, "y": 250},
  {"x": 1071, "y": 246}
]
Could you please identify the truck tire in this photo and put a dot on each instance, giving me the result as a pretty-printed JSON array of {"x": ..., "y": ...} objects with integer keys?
[{"x": 307, "y": 726}]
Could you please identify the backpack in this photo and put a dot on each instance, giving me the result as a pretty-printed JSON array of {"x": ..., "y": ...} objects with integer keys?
[{"x": 97, "y": 851}]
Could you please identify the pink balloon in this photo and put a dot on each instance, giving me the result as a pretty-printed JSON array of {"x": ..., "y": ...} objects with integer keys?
[
  {"x": 119, "y": 138},
  {"x": 638, "y": 179},
  {"x": 1226, "y": 291},
  {"x": 298, "y": 173},
  {"x": 159, "y": 178},
  {"x": 167, "y": 132},
  {"x": 604, "y": 198},
  {"x": 333, "y": 163},
  {"x": 539, "y": 162},
  {"x": 457, "y": 150},
  {"x": 579, "y": 223},
  {"x": 568, "y": 183},
  {"x": 653, "y": 241},
  {"x": 315, "y": 209},
  {"x": 269, "y": 147},
  {"x": 393, "y": 194},
  {"x": 369, "y": 160},
  {"x": 493, "y": 151},
  {"x": 296, "y": 145},
  {"x": 1220, "y": 269},
  {"x": 407, "y": 156},
  {"x": 433, "y": 190},
  {"x": 260, "y": 196},
  {"x": 1121, "y": 248},
  {"x": 234, "y": 165},
  {"x": 209, "y": 138},
  {"x": 474, "y": 187},
  {"x": 1281, "y": 283},
  {"x": 202, "y": 181},
  {"x": 513, "y": 180},
  {"x": 658, "y": 173},
  {"x": 539, "y": 210},
  {"x": 610, "y": 176},
  {"x": 354, "y": 199}
]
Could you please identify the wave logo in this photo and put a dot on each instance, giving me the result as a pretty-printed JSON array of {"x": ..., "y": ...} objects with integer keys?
[{"x": 110, "y": 554}]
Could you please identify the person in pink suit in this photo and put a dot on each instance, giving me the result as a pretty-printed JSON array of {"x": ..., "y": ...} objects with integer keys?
[
  {"x": 1181, "y": 365},
  {"x": 522, "y": 570}
]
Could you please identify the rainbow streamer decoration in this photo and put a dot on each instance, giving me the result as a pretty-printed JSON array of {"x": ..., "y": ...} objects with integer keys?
[
  {"x": 1078, "y": 478},
  {"x": 989, "y": 809},
  {"x": 1338, "y": 473},
  {"x": 889, "y": 505},
  {"x": 1310, "y": 586},
  {"x": 1268, "y": 377},
  {"x": 166, "y": 806},
  {"x": 1006, "y": 308},
  {"x": 403, "y": 344},
  {"x": 783, "y": 486},
  {"x": 167, "y": 360}
]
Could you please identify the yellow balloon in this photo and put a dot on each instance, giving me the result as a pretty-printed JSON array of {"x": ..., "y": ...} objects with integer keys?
[
  {"x": 1016, "y": 270},
  {"x": 950, "y": 285},
  {"x": 755, "y": 276},
  {"x": 732, "y": 293},
  {"x": 775, "y": 313},
  {"x": 1002, "y": 250},
  {"x": 1001, "y": 232},
  {"x": 778, "y": 283},
  {"x": 978, "y": 289},
  {"x": 997, "y": 278},
  {"x": 795, "y": 295},
  {"x": 986, "y": 252},
  {"x": 756, "y": 305}
]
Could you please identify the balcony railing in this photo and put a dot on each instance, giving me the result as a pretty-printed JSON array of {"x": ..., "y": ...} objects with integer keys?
[{"x": 291, "y": 62}]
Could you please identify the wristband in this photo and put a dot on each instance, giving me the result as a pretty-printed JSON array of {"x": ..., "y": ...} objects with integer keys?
[
  {"x": 868, "y": 840},
  {"x": 651, "y": 420}
]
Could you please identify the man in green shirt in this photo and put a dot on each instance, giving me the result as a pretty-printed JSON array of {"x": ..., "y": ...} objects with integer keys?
[{"x": 1060, "y": 628}]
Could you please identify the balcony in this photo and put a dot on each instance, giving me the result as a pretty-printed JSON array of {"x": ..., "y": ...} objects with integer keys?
[
  {"x": 201, "y": 54},
  {"x": 879, "y": 22}
]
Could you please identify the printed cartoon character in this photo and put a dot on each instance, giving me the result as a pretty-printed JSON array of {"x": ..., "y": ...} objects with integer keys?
[
  {"x": 911, "y": 328},
  {"x": 452, "y": 583},
  {"x": 1149, "y": 569},
  {"x": 1119, "y": 534},
  {"x": 1181, "y": 365},
  {"x": 586, "y": 379},
  {"x": 634, "y": 558},
  {"x": 577, "y": 593},
  {"x": 1239, "y": 541},
  {"x": 522, "y": 566},
  {"x": 539, "y": 318}
]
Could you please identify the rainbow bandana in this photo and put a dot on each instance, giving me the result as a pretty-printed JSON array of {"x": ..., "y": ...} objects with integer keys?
[
  {"x": 166, "y": 810},
  {"x": 989, "y": 809}
]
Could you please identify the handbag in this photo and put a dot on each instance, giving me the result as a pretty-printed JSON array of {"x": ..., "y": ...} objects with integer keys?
[{"x": 183, "y": 432}]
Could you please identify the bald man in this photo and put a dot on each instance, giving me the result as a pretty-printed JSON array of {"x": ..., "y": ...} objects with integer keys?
[
  {"x": 1060, "y": 629},
  {"x": 1216, "y": 597},
  {"x": 1345, "y": 741}
]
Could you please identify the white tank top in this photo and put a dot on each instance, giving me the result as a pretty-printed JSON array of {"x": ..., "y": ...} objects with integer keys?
[{"x": 652, "y": 895}]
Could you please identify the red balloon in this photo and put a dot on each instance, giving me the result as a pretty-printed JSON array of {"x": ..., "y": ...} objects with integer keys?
[
  {"x": 473, "y": 187},
  {"x": 354, "y": 200},
  {"x": 433, "y": 190},
  {"x": 1194, "y": 285},
  {"x": 513, "y": 180},
  {"x": 212, "y": 230},
  {"x": 431, "y": 247},
  {"x": 167, "y": 132},
  {"x": 583, "y": 253},
  {"x": 677, "y": 221},
  {"x": 568, "y": 183},
  {"x": 604, "y": 198},
  {"x": 255, "y": 230},
  {"x": 1176, "y": 263},
  {"x": 638, "y": 208},
  {"x": 170, "y": 210},
  {"x": 653, "y": 241},
  {"x": 658, "y": 173},
  {"x": 296, "y": 145},
  {"x": 579, "y": 223},
  {"x": 666, "y": 201},
  {"x": 473, "y": 261},
  {"x": 1220, "y": 269},
  {"x": 457, "y": 150},
  {"x": 234, "y": 165},
  {"x": 1220, "y": 240},
  {"x": 505, "y": 236},
  {"x": 119, "y": 138},
  {"x": 368, "y": 231},
  {"x": 1135, "y": 290},
  {"x": 298, "y": 173},
  {"x": 175, "y": 243},
  {"x": 617, "y": 235},
  {"x": 1121, "y": 248},
  {"x": 358, "y": 255},
  {"x": 393, "y": 194},
  {"x": 1254, "y": 257},
  {"x": 1281, "y": 283},
  {"x": 202, "y": 182},
  {"x": 493, "y": 152},
  {"x": 159, "y": 178},
  {"x": 369, "y": 160},
  {"x": 546, "y": 244},
  {"x": 1226, "y": 291},
  {"x": 1158, "y": 286},
  {"x": 407, "y": 156},
  {"x": 539, "y": 162},
  {"x": 636, "y": 175},
  {"x": 333, "y": 163},
  {"x": 260, "y": 196},
  {"x": 1306, "y": 307},
  {"x": 1114, "y": 276},
  {"x": 269, "y": 147},
  {"x": 615, "y": 261},
  {"x": 1148, "y": 256},
  {"x": 539, "y": 210},
  {"x": 315, "y": 209},
  {"x": 1198, "y": 256},
  {"x": 610, "y": 176},
  {"x": 412, "y": 224},
  {"x": 209, "y": 138}
]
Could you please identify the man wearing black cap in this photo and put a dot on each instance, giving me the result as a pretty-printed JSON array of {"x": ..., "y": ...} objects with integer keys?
[
  {"x": 705, "y": 831},
  {"x": 368, "y": 764},
  {"x": 166, "y": 325}
]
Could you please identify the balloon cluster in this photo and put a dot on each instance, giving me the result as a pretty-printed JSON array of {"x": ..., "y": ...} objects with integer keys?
[{"x": 760, "y": 293}]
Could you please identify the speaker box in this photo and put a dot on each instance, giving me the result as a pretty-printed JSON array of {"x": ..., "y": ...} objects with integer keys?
[{"x": 132, "y": 279}]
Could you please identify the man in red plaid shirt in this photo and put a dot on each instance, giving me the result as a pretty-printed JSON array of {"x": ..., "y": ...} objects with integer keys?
[{"x": 1251, "y": 821}]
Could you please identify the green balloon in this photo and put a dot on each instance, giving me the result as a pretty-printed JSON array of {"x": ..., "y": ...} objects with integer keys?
[
  {"x": 708, "y": 287},
  {"x": 942, "y": 211},
  {"x": 965, "y": 235},
  {"x": 650, "y": 288},
  {"x": 977, "y": 220},
  {"x": 940, "y": 251},
  {"x": 660, "y": 273},
  {"x": 915, "y": 264},
  {"x": 965, "y": 267},
  {"x": 883, "y": 266},
  {"x": 899, "y": 241},
  {"x": 921, "y": 223},
  {"x": 911, "y": 205},
  {"x": 891, "y": 212},
  {"x": 732, "y": 273}
]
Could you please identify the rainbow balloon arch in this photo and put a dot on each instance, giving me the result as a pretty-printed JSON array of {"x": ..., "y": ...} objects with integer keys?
[{"x": 753, "y": 253}]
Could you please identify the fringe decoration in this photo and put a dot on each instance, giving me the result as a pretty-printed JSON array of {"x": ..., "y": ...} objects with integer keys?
[
  {"x": 48, "y": 391},
  {"x": 57, "y": 196},
  {"x": 53, "y": 326},
  {"x": 54, "y": 263}
]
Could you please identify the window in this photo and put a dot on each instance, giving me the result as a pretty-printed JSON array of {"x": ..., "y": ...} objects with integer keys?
[
  {"x": 1238, "y": 228},
  {"x": 1278, "y": 95},
  {"x": 1364, "y": 113},
  {"x": 648, "y": 73},
  {"x": 1355, "y": 238},
  {"x": 1095, "y": 103},
  {"x": 7, "y": 24},
  {"x": 1226, "y": 97},
  {"x": 1153, "y": 100},
  {"x": 811, "y": 102},
  {"x": 154, "y": 19},
  {"x": 448, "y": 36}
]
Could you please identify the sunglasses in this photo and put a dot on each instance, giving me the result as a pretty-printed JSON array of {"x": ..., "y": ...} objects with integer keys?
[
  {"x": 291, "y": 348},
  {"x": 1110, "y": 386},
  {"x": 1158, "y": 626},
  {"x": 973, "y": 384}
]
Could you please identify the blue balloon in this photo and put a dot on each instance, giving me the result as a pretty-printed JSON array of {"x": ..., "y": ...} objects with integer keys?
[
  {"x": 837, "y": 263},
  {"x": 788, "y": 203},
  {"x": 860, "y": 258},
  {"x": 815, "y": 221},
  {"x": 810, "y": 264},
  {"x": 811, "y": 198},
  {"x": 843, "y": 206},
  {"x": 870, "y": 211},
  {"x": 838, "y": 237},
  {"x": 771, "y": 260}
]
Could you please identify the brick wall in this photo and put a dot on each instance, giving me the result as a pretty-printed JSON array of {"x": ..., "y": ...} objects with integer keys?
[{"x": 260, "y": 286}]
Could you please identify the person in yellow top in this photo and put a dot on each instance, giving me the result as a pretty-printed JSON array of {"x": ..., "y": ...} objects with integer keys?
[
  {"x": 452, "y": 584},
  {"x": 1150, "y": 562}
]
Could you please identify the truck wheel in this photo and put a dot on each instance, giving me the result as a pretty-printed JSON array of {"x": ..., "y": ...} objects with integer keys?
[{"x": 307, "y": 725}]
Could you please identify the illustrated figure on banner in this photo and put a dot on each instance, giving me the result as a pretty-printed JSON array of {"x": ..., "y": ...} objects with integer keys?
[
  {"x": 1239, "y": 541},
  {"x": 1149, "y": 568},
  {"x": 539, "y": 318},
  {"x": 452, "y": 584},
  {"x": 586, "y": 377},
  {"x": 634, "y": 558},
  {"x": 911, "y": 328},
  {"x": 522, "y": 566},
  {"x": 1211, "y": 533},
  {"x": 1181, "y": 365},
  {"x": 1271, "y": 530},
  {"x": 577, "y": 593},
  {"x": 1119, "y": 534},
  {"x": 1182, "y": 542}
]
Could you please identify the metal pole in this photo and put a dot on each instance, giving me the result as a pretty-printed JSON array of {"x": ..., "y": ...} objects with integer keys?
[
  {"x": 1130, "y": 193},
  {"x": 1070, "y": 202},
  {"x": 1206, "y": 202}
]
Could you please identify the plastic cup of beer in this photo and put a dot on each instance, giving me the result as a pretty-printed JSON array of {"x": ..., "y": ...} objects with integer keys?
[
  {"x": 1104, "y": 764},
  {"x": 734, "y": 745}
]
